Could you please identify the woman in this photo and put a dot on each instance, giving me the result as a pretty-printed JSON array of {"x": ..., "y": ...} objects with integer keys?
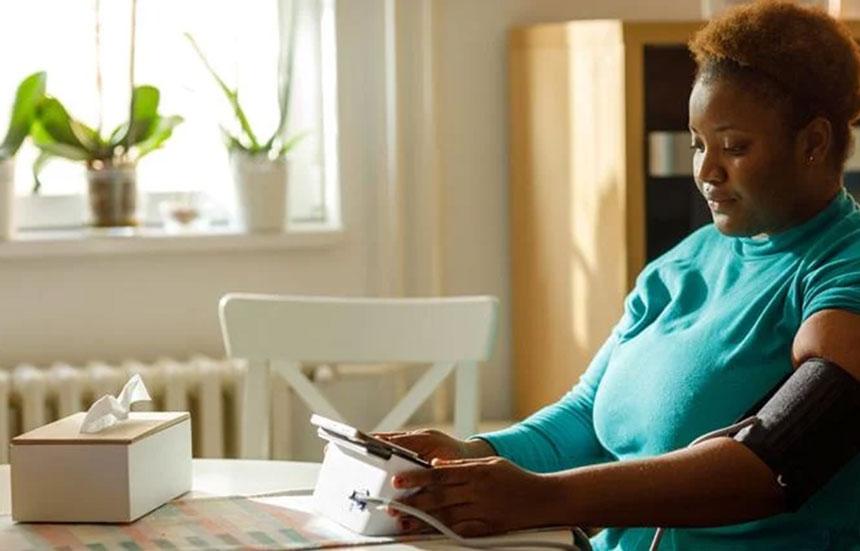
[{"x": 709, "y": 329}]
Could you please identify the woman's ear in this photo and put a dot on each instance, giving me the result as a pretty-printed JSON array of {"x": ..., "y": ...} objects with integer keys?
[{"x": 815, "y": 141}]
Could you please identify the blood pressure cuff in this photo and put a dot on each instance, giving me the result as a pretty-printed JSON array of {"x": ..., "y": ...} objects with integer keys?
[{"x": 809, "y": 428}]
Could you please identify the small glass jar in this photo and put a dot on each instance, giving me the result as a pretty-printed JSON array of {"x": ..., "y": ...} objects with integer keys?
[
  {"x": 113, "y": 196},
  {"x": 185, "y": 213}
]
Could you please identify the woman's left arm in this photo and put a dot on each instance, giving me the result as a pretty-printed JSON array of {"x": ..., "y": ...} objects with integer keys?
[
  {"x": 832, "y": 335},
  {"x": 717, "y": 482}
]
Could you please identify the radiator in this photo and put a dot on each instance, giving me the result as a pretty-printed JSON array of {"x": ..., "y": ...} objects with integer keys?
[{"x": 210, "y": 389}]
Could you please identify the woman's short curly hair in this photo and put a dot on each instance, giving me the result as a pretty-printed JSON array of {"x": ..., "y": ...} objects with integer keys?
[{"x": 799, "y": 57}]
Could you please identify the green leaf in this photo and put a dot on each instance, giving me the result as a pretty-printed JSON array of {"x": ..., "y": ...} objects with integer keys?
[
  {"x": 144, "y": 112},
  {"x": 66, "y": 151},
  {"x": 117, "y": 136},
  {"x": 29, "y": 95},
  {"x": 232, "y": 95},
  {"x": 45, "y": 141},
  {"x": 292, "y": 142},
  {"x": 141, "y": 130},
  {"x": 144, "y": 102},
  {"x": 243, "y": 121},
  {"x": 232, "y": 142},
  {"x": 163, "y": 128},
  {"x": 87, "y": 136},
  {"x": 57, "y": 123}
]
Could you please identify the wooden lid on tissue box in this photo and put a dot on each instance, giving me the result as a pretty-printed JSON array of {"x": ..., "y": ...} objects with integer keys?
[{"x": 67, "y": 430}]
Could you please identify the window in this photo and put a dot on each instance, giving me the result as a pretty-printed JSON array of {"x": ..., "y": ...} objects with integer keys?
[{"x": 242, "y": 41}]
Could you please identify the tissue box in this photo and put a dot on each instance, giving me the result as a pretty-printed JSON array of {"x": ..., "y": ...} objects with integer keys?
[{"x": 116, "y": 475}]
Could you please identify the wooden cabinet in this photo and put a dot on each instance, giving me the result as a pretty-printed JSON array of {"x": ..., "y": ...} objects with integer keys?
[{"x": 578, "y": 183}]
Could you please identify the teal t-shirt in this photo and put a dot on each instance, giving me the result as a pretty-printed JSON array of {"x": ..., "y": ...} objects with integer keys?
[{"x": 706, "y": 332}]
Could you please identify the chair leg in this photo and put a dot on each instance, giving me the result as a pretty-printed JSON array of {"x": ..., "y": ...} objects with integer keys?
[
  {"x": 255, "y": 412},
  {"x": 467, "y": 400}
]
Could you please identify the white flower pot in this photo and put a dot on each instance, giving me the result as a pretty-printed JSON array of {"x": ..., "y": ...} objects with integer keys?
[
  {"x": 261, "y": 192},
  {"x": 7, "y": 199}
]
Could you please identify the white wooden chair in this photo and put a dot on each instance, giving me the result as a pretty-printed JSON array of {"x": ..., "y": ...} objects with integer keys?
[{"x": 282, "y": 332}]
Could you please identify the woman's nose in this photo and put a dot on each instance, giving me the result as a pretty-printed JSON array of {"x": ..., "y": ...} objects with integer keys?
[{"x": 708, "y": 168}]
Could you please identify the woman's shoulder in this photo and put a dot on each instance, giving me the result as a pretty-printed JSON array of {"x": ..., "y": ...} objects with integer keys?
[
  {"x": 839, "y": 242},
  {"x": 829, "y": 273}
]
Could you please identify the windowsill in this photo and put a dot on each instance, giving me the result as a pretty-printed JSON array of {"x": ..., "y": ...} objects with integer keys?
[{"x": 154, "y": 240}]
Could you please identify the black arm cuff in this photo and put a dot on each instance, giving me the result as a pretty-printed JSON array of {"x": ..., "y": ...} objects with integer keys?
[{"x": 809, "y": 429}]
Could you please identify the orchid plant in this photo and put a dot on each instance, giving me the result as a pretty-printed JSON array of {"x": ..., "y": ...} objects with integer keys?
[
  {"x": 246, "y": 140},
  {"x": 58, "y": 134}
]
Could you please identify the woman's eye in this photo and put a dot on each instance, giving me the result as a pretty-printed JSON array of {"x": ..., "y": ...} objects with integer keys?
[
  {"x": 697, "y": 146},
  {"x": 735, "y": 149}
]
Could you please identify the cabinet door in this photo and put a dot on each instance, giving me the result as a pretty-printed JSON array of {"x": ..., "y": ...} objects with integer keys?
[{"x": 568, "y": 247}]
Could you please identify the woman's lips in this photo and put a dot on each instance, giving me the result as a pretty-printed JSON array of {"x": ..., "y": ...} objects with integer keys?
[{"x": 720, "y": 204}]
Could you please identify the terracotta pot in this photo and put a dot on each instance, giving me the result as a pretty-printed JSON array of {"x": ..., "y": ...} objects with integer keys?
[{"x": 113, "y": 196}]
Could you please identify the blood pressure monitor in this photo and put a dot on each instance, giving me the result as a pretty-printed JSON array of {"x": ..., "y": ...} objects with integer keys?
[{"x": 357, "y": 464}]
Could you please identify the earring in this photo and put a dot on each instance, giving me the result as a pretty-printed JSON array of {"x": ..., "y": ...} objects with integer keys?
[{"x": 811, "y": 158}]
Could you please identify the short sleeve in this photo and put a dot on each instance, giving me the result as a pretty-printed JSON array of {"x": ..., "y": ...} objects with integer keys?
[{"x": 834, "y": 281}]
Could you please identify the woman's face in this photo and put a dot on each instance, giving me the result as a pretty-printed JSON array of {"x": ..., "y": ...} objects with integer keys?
[{"x": 744, "y": 159}]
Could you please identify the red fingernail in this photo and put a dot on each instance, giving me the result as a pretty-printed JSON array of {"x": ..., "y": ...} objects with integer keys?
[{"x": 398, "y": 481}]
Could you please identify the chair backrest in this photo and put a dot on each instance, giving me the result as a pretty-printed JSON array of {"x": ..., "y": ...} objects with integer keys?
[
  {"x": 327, "y": 329},
  {"x": 281, "y": 332}
]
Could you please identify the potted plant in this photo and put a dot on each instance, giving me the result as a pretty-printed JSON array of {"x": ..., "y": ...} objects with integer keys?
[
  {"x": 260, "y": 167},
  {"x": 110, "y": 159},
  {"x": 29, "y": 95}
]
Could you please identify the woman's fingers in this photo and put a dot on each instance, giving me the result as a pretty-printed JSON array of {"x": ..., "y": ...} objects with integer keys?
[
  {"x": 434, "y": 498},
  {"x": 474, "y": 497},
  {"x": 465, "y": 461},
  {"x": 421, "y": 444},
  {"x": 445, "y": 472},
  {"x": 443, "y": 475},
  {"x": 389, "y": 435}
]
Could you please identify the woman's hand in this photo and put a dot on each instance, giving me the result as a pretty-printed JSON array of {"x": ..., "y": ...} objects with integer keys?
[
  {"x": 433, "y": 444},
  {"x": 477, "y": 497}
]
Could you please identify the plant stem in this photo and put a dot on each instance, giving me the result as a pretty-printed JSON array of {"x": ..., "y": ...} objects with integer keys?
[
  {"x": 232, "y": 95},
  {"x": 131, "y": 77},
  {"x": 99, "y": 86}
]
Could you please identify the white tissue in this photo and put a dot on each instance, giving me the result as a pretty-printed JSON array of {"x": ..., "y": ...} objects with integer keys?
[{"x": 108, "y": 411}]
